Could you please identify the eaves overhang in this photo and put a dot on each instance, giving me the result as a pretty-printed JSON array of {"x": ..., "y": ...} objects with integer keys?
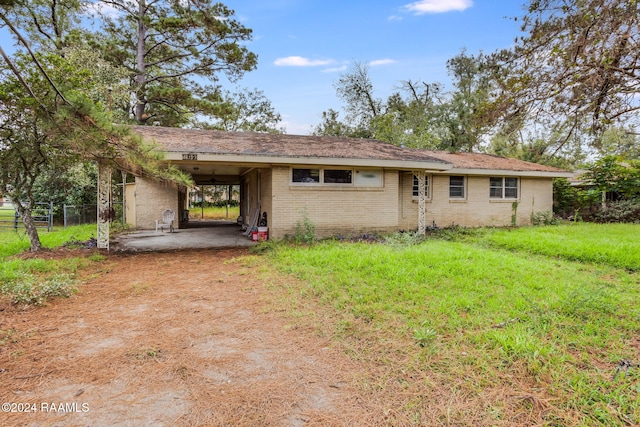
[
  {"x": 508, "y": 172},
  {"x": 258, "y": 159}
]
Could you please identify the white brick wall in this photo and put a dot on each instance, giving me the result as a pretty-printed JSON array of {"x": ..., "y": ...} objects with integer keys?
[{"x": 151, "y": 198}]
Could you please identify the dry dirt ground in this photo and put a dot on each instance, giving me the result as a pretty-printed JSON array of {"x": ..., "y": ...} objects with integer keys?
[{"x": 171, "y": 339}]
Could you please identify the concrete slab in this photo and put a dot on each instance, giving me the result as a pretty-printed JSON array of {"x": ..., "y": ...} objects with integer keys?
[{"x": 197, "y": 235}]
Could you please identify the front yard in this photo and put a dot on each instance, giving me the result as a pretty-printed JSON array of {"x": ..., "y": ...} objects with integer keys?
[{"x": 490, "y": 327}]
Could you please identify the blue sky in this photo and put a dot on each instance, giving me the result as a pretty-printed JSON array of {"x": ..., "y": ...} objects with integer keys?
[{"x": 304, "y": 45}]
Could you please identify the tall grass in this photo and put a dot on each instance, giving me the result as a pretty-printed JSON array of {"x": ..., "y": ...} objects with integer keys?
[
  {"x": 617, "y": 245},
  {"x": 34, "y": 281},
  {"x": 14, "y": 242},
  {"x": 557, "y": 324}
]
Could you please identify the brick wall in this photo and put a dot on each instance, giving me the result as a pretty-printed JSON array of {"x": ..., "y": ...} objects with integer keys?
[
  {"x": 151, "y": 198},
  {"x": 333, "y": 209},
  {"x": 477, "y": 208}
]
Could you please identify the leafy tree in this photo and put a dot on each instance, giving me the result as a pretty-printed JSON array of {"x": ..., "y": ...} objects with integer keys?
[
  {"x": 355, "y": 88},
  {"x": 611, "y": 174},
  {"x": 618, "y": 142},
  {"x": 248, "y": 111},
  {"x": 170, "y": 48},
  {"x": 575, "y": 71},
  {"x": 463, "y": 116},
  {"x": 417, "y": 114},
  {"x": 48, "y": 123},
  {"x": 331, "y": 125}
]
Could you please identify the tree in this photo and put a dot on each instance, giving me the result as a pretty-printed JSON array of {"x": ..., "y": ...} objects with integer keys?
[
  {"x": 247, "y": 111},
  {"x": 615, "y": 175},
  {"x": 412, "y": 116},
  {"x": 48, "y": 122},
  {"x": 331, "y": 125},
  {"x": 355, "y": 89},
  {"x": 170, "y": 48},
  {"x": 463, "y": 116},
  {"x": 406, "y": 118},
  {"x": 576, "y": 70}
]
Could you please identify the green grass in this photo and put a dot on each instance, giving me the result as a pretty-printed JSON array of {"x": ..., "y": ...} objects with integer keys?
[
  {"x": 617, "y": 245},
  {"x": 14, "y": 242},
  {"x": 214, "y": 212},
  {"x": 555, "y": 322},
  {"x": 34, "y": 281}
]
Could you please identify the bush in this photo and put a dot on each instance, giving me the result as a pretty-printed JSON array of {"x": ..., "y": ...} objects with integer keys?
[
  {"x": 30, "y": 290},
  {"x": 543, "y": 218},
  {"x": 620, "y": 211}
]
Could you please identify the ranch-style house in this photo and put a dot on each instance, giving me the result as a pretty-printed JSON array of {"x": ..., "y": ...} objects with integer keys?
[{"x": 343, "y": 185}]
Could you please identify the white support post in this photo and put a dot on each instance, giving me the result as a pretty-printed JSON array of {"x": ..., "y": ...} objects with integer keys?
[
  {"x": 422, "y": 205},
  {"x": 104, "y": 205}
]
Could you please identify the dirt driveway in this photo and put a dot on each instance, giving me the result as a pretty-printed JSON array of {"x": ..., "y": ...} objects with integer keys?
[{"x": 183, "y": 338}]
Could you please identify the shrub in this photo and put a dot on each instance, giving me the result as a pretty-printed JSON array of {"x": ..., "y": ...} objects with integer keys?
[
  {"x": 620, "y": 211},
  {"x": 543, "y": 218},
  {"x": 29, "y": 290}
]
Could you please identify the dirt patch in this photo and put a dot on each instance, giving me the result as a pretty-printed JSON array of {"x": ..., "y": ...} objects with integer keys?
[{"x": 183, "y": 338}]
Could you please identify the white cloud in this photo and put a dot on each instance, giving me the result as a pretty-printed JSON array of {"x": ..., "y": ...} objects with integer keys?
[
  {"x": 394, "y": 18},
  {"x": 299, "y": 61},
  {"x": 437, "y": 6},
  {"x": 378, "y": 62}
]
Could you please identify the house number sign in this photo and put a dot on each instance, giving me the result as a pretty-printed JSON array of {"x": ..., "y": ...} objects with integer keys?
[{"x": 189, "y": 156}]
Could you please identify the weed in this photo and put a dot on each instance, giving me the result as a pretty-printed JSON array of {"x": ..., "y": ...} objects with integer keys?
[
  {"x": 543, "y": 218},
  {"x": 424, "y": 336},
  {"x": 404, "y": 239},
  {"x": 31, "y": 290},
  {"x": 305, "y": 230}
]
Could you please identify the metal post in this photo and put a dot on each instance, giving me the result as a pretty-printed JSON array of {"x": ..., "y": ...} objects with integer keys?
[
  {"x": 229, "y": 189},
  {"x": 50, "y": 217},
  {"x": 16, "y": 215}
]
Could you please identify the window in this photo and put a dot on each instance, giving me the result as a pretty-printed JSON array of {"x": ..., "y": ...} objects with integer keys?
[
  {"x": 307, "y": 176},
  {"x": 415, "y": 186},
  {"x": 503, "y": 188},
  {"x": 456, "y": 187},
  {"x": 337, "y": 176},
  {"x": 368, "y": 178}
]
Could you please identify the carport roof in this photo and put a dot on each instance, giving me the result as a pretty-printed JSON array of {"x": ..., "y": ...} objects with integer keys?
[{"x": 289, "y": 147}]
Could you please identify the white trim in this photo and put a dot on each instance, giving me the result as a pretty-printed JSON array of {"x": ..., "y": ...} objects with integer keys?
[
  {"x": 502, "y": 172},
  {"x": 266, "y": 160}
]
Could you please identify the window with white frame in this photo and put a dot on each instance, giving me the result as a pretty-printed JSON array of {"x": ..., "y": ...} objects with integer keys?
[
  {"x": 338, "y": 177},
  {"x": 426, "y": 186},
  {"x": 503, "y": 188},
  {"x": 456, "y": 187}
]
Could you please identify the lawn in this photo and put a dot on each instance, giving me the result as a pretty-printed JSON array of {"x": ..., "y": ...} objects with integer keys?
[
  {"x": 531, "y": 326},
  {"x": 33, "y": 281},
  {"x": 214, "y": 213},
  {"x": 489, "y": 327}
]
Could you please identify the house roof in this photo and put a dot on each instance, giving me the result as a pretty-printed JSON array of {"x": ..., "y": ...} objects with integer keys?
[
  {"x": 292, "y": 148},
  {"x": 483, "y": 163},
  {"x": 306, "y": 149}
]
